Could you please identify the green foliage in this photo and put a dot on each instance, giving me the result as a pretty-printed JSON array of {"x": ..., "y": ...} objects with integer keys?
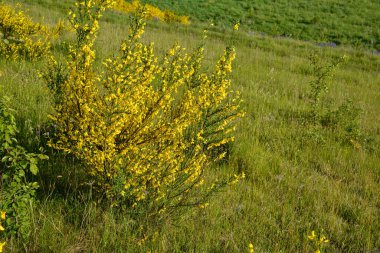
[
  {"x": 322, "y": 74},
  {"x": 348, "y": 117},
  {"x": 55, "y": 75},
  {"x": 343, "y": 121},
  {"x": 16, "y": 192},
  {"x": 347, "y": 23},
  {"x": 346, "y": 121}
]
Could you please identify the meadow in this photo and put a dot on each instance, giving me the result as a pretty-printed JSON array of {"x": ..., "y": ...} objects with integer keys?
[
  {"x": 300, "y": 174},
  {"x": 348, "y": 23}
]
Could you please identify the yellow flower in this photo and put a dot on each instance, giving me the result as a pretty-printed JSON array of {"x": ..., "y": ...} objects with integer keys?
[
  {"x": 2, "y": 215},
  {"x": 312, "y": 236},
  {"x": 2, "y": 244},
  {"x": 324, "y": 239},
  {"x": 236, "y": 26},
  {"x": 355, "y": 144},
  {"x": 250, "y": 246},
  {"x": 1, "y": 228}
]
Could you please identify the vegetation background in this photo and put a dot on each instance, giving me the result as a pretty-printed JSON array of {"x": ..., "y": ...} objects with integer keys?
[
  {"x": 300, "y": 175},
  {"x": 340, "y": 22}
]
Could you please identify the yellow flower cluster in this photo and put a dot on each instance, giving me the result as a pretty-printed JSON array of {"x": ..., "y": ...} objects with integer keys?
[
  {"x": 20, "y": 37},
  {"x": 250, "y": 248},
  {"x": 140, "y": 123},
  {"x": 152, "y": 12},
  {"x": 2, "y": 217},
  {"x": 319, "y": 241},
  {"x": 236, "y": 26}
]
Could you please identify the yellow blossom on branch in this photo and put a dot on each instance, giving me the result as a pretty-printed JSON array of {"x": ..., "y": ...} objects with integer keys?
[
  {"x": 147, "y": 128},
  {"x": 152, "y": 11},
  {"x": 2, "y": 244},
  {"x": 20, "y": 37}
]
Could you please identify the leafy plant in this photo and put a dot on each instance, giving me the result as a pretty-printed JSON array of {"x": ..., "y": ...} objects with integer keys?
[
  {"x": 322, "y": 74},
  {"x": 345, "y": 119},
  {"x": 16, "y": 192}
]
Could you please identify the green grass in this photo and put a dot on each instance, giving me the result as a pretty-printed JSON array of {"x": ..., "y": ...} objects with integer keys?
[
  {"x": 298, "y": 177},
  {"x": 341, "y": 22}
]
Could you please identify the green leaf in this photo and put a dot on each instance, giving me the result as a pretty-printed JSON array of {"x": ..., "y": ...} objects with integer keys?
[{"x": 33, "y": 168}]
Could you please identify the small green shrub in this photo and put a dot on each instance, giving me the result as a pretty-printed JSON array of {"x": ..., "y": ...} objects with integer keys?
[
  {"x": 344, "y": 121},
  {"x": 322, "y": 74},
  {"x": 16, "y": 192}
]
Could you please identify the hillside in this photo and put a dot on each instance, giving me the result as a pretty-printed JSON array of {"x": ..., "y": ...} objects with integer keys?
[
  {"x": 302, "y": 174},
  {"x": 349, "y": 22}
]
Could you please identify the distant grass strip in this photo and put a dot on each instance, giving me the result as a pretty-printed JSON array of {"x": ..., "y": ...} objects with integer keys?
[{"x": 341, "y": 22}]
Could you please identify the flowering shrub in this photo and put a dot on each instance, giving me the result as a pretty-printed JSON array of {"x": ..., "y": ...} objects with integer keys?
[
  {"x": 142, "y": 125},
  {"x": 20, "y": 37},
  {"x": 151, "y": 12}
]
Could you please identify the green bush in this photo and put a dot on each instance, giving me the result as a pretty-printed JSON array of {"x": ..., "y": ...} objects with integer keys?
[{"x": 16, "y": 191}]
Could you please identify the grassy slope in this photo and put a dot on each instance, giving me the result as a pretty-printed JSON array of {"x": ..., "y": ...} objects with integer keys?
[
  {"x": 342, "y": 22},
  {"x": 294, "y": 182}
]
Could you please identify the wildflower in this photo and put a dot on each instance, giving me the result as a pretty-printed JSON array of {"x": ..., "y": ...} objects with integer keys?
[
  {"x": 323, "y": 239},
  {"x": 2, "y": 216},
  {"x": 355, "y": 144},
  {"x": 236, "y": 26},
  {"x": 318, "y": 241},
  {"x": 250, "y": 246},
  {"x": 312, "y": 235},
  {"x": 2, "y": 244},
  {"x": 203, "y": 206}
]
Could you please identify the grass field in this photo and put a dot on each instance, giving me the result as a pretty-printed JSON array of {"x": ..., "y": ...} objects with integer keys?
[
  {"x": 300, "y": 176},
  {"x": 349, "y": 22}
]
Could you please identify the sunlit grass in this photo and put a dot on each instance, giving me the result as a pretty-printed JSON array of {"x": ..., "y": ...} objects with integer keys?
[{"x": 295, "y": 183}]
